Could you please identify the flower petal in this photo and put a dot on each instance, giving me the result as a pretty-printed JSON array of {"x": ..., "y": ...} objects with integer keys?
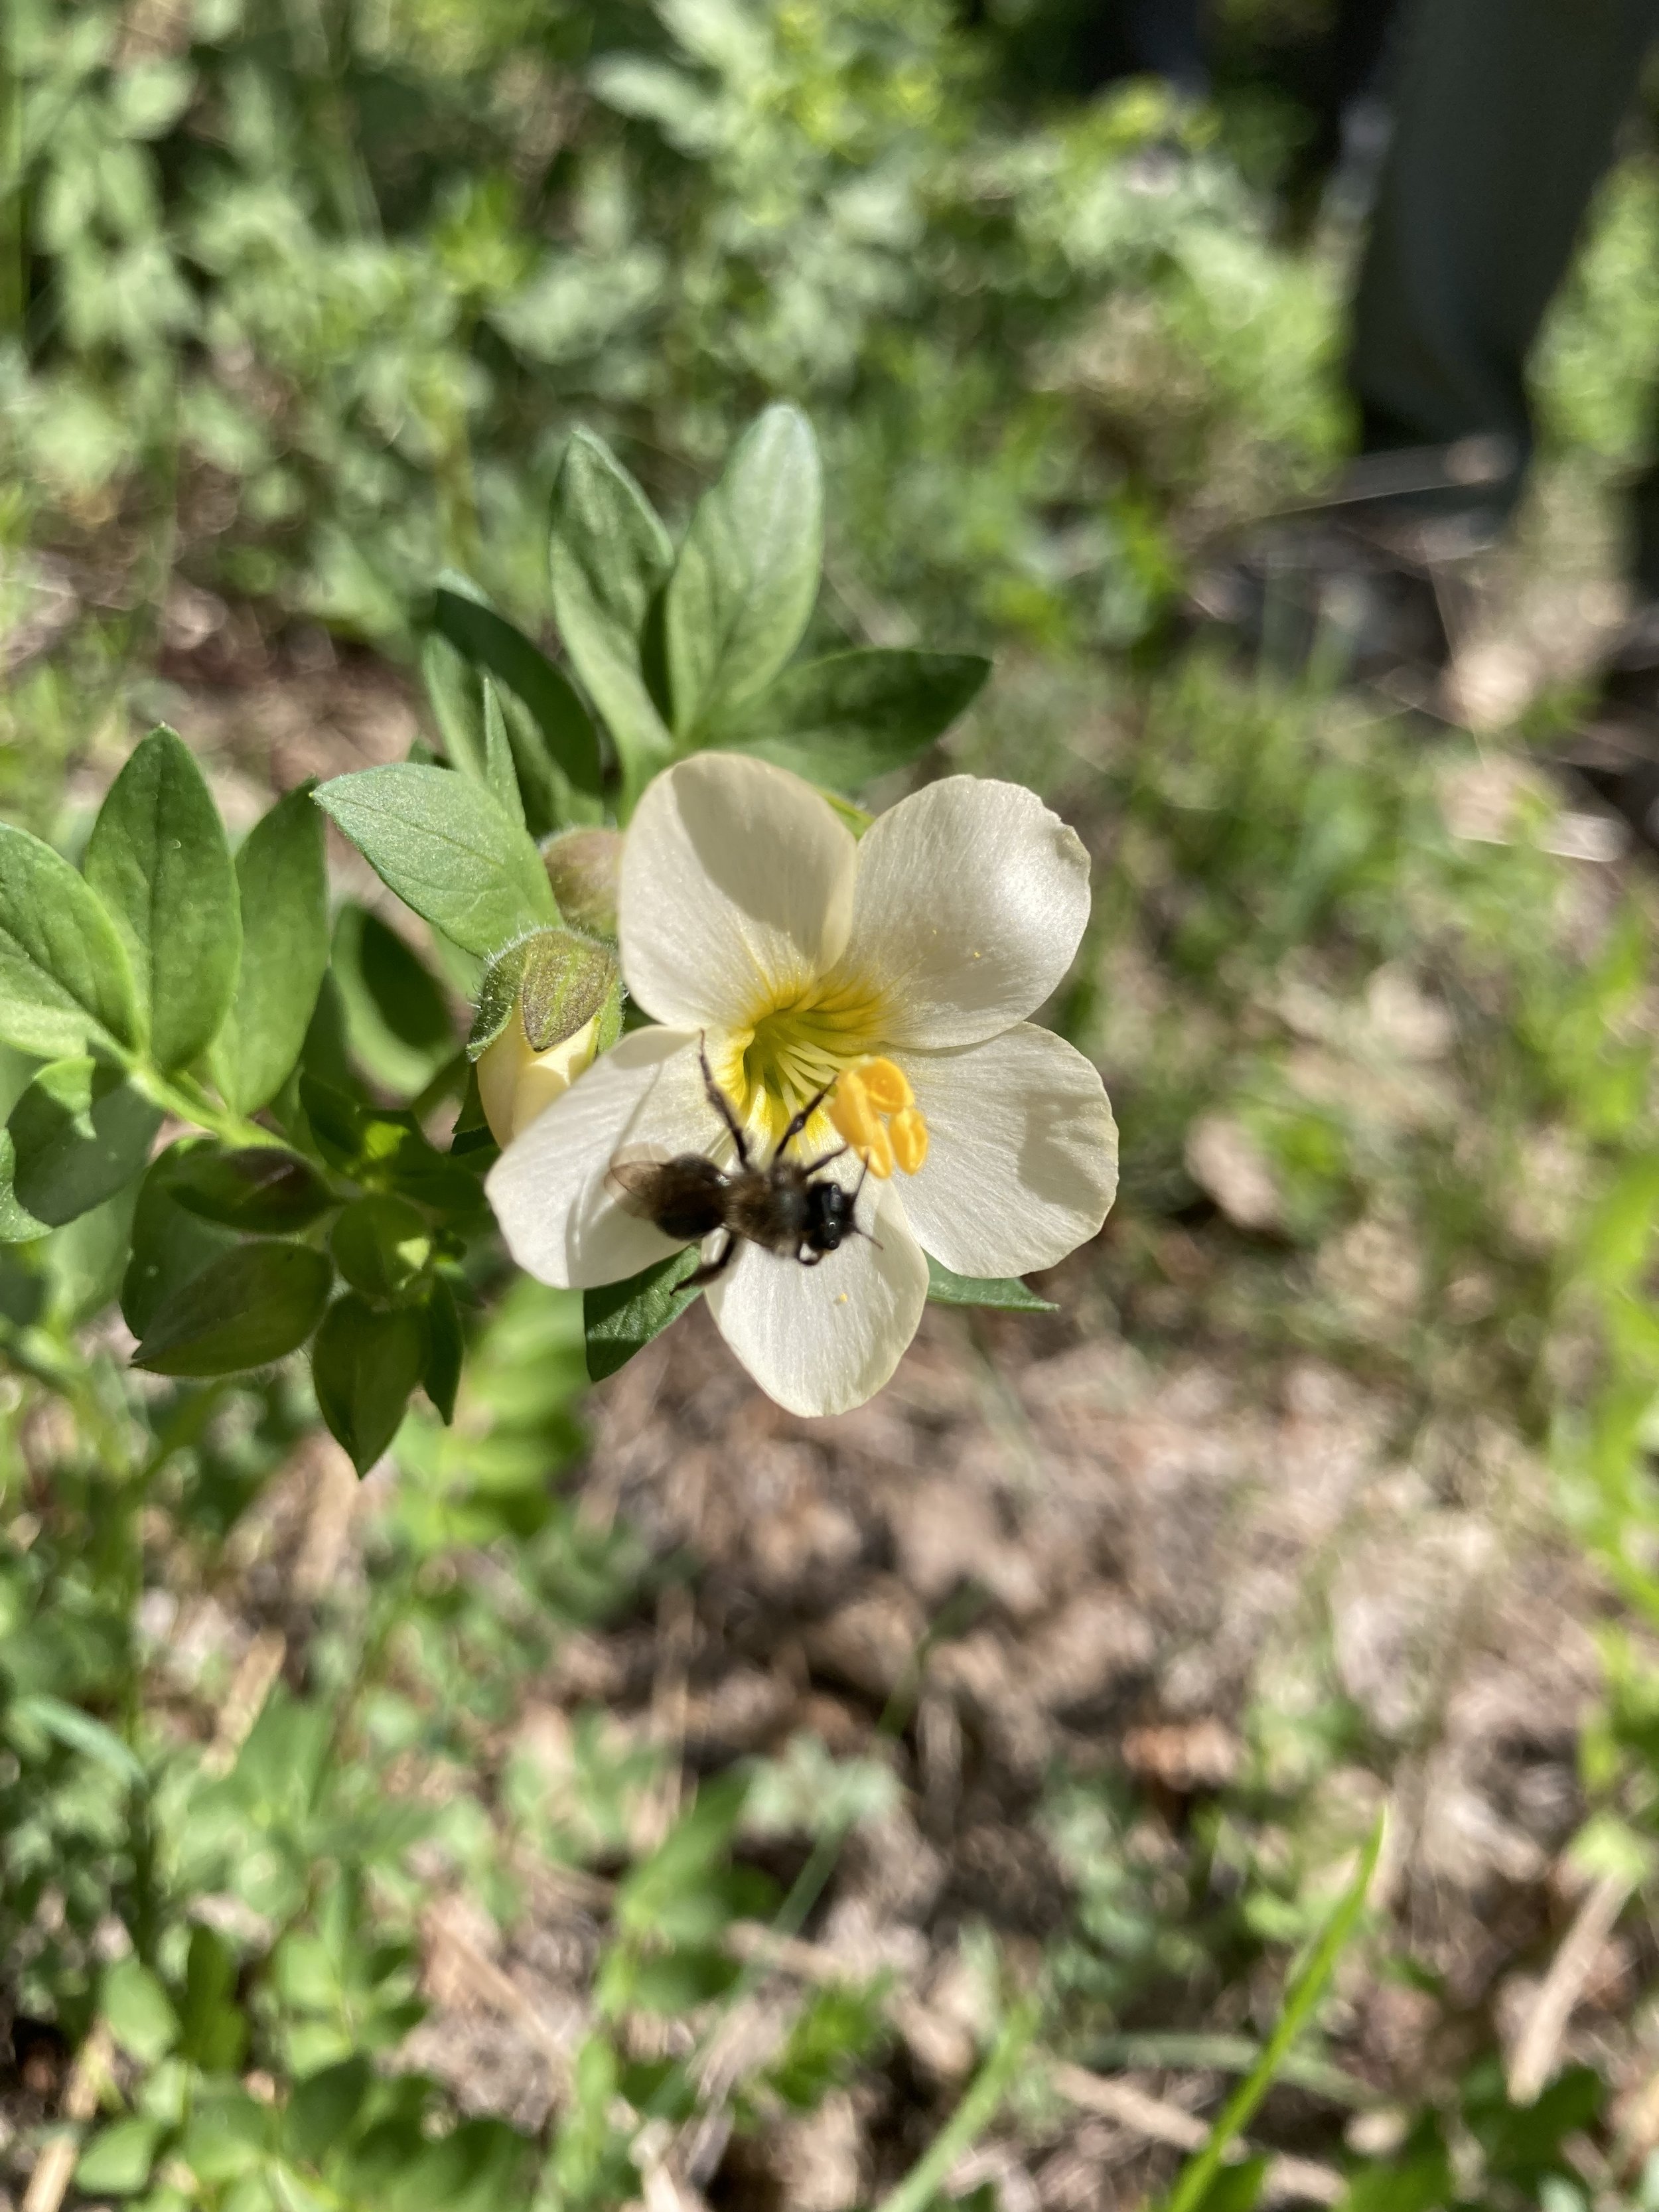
[
  {"x": 548, "y": 1188},
  {"x": 736, "y": 887},
  {"x": 970, "y": 899},
  {"x": 823, "y": 1340},
  {"x": 1022, "y": 1158}
]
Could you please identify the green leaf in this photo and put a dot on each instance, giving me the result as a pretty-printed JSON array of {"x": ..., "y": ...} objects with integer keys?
[
  {"x": 500, "y": 774},
  {"x": 1007, "y": 1293},
  {"x": 324, "y": 2107},
  {"x": 848, "y": 718},
  {"x": 214, "y": 2031},
  {"x": 79, "y": 1134},
  {"x": 17, "y": 1225},
  {"x": 383, "y": 1248},
  {"x": 67, "y": 1725},
  {"x": 609, "y": 556},
  {"x": 246, "y": 1308},
  {"x": 262, "y": 1190},
  {"x": 455, "y": 698},
  {"x": 1236, "y": 2188},
  {"x": 469, "y": 622},
  {"x": 118, "y": 2160},
  {"x": 140, "y": 2016},
  {"x": 364, "y": 1364},
  {"x": 66, "y": 979},
  {"x": 398, "y": 1025},
  {"x": 170, "y": 1245},
  {"x": 386, "y": 1150},
  {"x": 159, "y": 860},
  {"x": 446, "y": 847},
  {"x": 446, "y": 1350},
  {"x": 743, "y": 587},
  {"x": 283, "y": 894},
  {"x": 621, "y": 1318}
]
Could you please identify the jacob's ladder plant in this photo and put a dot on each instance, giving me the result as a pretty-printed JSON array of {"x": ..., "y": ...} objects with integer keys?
[{"x": 687, "y": 950}]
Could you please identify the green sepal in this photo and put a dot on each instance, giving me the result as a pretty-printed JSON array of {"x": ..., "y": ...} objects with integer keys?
[
  {"x": 558, "y": 978},
  {"x": 620, "y": 1319},
  {"x": 383, "y": 1248},
  {"x": 247, "y": 1308},
  {"x": 159, "y": 860},
  {"x": 80, "y": 1132},
  {"x": 365, "y": 1364},
  {"x": 1005, "y": 1293},
  {"x": 262, "y": 1190}
]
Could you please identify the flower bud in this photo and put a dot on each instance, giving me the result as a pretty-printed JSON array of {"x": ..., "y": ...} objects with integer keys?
[
  {"x": 582, "y": 866},
  {"x": 549, "y": 1004},
  {"x": 515, "y": 1082}
]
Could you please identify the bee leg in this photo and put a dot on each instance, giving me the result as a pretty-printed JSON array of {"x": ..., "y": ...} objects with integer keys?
[
  {"x": 802, "y": 1118},
  {"x": 808, "y": 1258},
  {"x": 712, "y": 1270},
  {"x": 721, "y": 1104},
  {"x": 858, "y": 1193},
  {"x": 812, "y": 1167}
]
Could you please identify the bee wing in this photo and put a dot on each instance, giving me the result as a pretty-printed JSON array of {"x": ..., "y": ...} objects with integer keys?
[{"x": 633, "y": 1178}]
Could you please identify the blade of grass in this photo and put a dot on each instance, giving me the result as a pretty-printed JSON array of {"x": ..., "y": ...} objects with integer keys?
[
  {"x": 969, "y": 2120},
  {"x": 1301, "y": 1999}
]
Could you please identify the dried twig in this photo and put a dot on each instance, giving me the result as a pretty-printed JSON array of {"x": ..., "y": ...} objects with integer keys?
[
  {"x": 49, "y": 2182},
  {"x": 497, "y": 1990},
  {"x": 1538, "y": 2048},
  {"x": 1288, "y": 2181},
  {"x": 245, "y": 1701}
]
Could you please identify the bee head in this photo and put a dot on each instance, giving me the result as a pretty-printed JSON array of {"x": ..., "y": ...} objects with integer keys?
[{"x": 829, "y": 1215}]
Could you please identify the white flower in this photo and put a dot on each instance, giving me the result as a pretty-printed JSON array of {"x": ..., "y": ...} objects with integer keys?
[{"x": 901, "y": 969}]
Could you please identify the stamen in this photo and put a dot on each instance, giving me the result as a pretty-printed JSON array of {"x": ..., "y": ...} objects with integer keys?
[
  {"x": 874, "y": 1110},
  {"x": 909, "y": 1133}
]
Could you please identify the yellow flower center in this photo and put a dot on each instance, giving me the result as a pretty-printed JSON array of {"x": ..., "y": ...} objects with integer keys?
[{"x": 827, "y": 1039}]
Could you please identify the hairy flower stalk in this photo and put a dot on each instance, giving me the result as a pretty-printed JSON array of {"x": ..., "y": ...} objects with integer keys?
[{"x": 894, "y": 977}]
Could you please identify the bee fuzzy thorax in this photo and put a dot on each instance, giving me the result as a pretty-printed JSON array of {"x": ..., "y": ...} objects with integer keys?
[{"x": 874, "y": 1110}]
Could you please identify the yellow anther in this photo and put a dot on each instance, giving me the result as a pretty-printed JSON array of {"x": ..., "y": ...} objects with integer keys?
[
  {"x": 853, "y": 1115},
  {"x": 874, "y": 1109},
  {"x": 884, "y": 1086},
  {"x": 909, "y": 1132}
]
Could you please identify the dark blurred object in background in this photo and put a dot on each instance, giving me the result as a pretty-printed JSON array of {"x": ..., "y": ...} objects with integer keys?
[
  {"x": 1505, "y": 117},
  {"x": 1316, "y": 65}
]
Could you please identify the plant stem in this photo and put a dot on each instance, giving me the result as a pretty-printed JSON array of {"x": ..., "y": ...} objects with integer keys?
[
  {"x": 14, "y": 231},
  {"x": 186, "y": 1098}
]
